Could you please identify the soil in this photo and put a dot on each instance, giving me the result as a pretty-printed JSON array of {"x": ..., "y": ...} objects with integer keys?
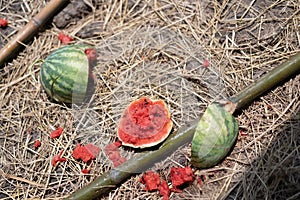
[{"x": 71, "y": 14}]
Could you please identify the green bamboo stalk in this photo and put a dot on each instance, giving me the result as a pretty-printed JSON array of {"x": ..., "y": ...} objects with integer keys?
[
  {"x": 270, "y": 80},
  {"x": 30, "y": 29},
  {"x": 111, "y": 179}
]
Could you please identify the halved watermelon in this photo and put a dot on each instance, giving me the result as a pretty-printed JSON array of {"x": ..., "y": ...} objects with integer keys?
[
  {"x": 144, "y": 123},
  {"x": 65, "y": 73},
  {"x": 214, "y": 137}
]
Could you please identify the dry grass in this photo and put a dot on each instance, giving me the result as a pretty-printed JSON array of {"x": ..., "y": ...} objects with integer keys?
[{"x": 156, "y": 48}]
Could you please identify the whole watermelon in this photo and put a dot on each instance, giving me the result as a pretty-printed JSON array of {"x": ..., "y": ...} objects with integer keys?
[{"x": 65, "y": 73}]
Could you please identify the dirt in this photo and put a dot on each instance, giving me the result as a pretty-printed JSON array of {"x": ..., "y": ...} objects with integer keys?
[{"x": 71, "y": 14}]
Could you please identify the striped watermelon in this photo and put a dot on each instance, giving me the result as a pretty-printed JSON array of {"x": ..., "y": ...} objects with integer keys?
[
  {"x": 65, "y": 74},
  {"x": 214, "y": 137}
]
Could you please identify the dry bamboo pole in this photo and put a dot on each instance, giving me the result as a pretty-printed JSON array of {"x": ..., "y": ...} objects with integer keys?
[
  {"x": 30, "y": 29},
  {"x": 111, "y": 179}
]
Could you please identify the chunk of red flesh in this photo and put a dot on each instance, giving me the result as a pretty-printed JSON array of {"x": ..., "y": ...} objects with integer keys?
[
  {"x": 206, "y": 63},
  {"x": 65, "y": 39},
  {"x": 117, "y": 143},
  {"x": 58, "y": 158},
  {"x": 37, "y": 144},
  {"x": 56, "y": 133},
  {"x": 114, "y": 155},
  {"x": 144, "y": 123},
  {"x": 110, "y": 147},
  {"x": 151, "y": 180},
  {"x": 111, "y": 150},
  {"x": 92, "y": 149},
  {"x": 180, "y": 176},
  {"x": 164, "y": 190},
  {"x": 85, "y": 171},
  {"x": 3, "y": 23},
  {"x": 86, "y": 153}
]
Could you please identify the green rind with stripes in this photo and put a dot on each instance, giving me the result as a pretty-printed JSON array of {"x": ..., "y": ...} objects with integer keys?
[
  {"x": 64, "y": 74},
  {"x": 214, "y": 137}
]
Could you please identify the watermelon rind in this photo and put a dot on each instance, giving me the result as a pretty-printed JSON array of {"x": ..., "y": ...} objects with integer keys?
[{"x": 214, "y": 137}]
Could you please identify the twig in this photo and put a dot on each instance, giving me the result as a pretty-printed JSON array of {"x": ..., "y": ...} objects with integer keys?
[{"x": 9, "y": 176}]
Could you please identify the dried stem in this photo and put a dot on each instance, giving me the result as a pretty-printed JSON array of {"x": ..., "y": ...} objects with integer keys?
[{"x": 114, "y": 177}]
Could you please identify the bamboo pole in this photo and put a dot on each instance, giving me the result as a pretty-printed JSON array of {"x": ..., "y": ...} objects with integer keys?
[
  {"x": 111, "y": 179},
  {"x": 270, "y": 80},
  {"x": 30, "y": 29}
]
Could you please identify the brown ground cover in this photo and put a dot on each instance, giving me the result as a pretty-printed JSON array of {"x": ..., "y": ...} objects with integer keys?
[{"x": 155, "y": 49}]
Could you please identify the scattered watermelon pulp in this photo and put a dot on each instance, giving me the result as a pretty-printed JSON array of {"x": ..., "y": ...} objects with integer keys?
[
  {"x": 164, "y": 190},
  {"x": 86, "y": 152},
  {"x": 144, "y": 123},
  {"x": 37, "y": 144},
  {"x": 3, "y": 23},
  {"x": 57, "y": 132},
  {"x": 112, "y": 152},
  {"x": 65, "y": 39},
  {"x": 151, "y": 180},
  {"x": 85, "y": 171},
  {"x": 58, "y": 158},
  {"x": 180, "y": 176}
]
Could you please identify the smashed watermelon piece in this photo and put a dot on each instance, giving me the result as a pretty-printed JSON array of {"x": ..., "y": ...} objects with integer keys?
[
  {"x": 117, "y": 143},
  {"x": 206, "y": 63},
  {"x": 3, "y": 22},
  {"x": 65, "y": 39},
  {"x": 86, "y": 153},
  {"x": 151, "y": 180},
  {"x": 85, "y": 171},
  {"x": 37, "y": 144},
  {"x": 110, "y": 147},
  {"x": 56, "y": 133},
  {"x": 112, "y": 152},
  {"x": 164, "y": 190},
  {"x": 113, "y": 155},
  {"x": 58, "y": 158},
  {"x": 180, "y": 176}
]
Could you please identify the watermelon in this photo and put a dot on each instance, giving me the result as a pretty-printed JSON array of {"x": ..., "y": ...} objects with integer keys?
[
  {"x": 214, "y": 137},
  {"x": 65, "y": 73},
  {"x": 144, "y": 123}
]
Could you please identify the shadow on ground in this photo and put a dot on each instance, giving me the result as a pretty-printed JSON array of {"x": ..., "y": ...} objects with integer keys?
[{"x": 275, "y": 174}]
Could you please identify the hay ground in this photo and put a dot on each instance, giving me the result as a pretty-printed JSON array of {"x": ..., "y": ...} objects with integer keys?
[{"x": 242, "y": 40}]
